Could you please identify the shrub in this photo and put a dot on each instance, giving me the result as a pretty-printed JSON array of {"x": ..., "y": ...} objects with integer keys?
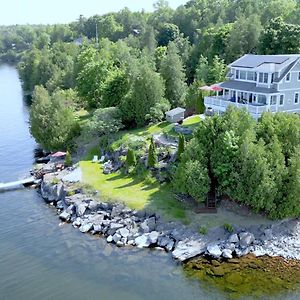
[
  {"x": 181, "y": 145},
  {"x": 228, "y": 227},
  {"x": 68, "y": 159},
  {"x": 152, "y": 157},
  {"x": 130, "y": 158},
  {"x": 203, "y": 230}
]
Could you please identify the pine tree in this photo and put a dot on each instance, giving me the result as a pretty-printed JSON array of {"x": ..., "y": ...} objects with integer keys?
[
  {"x": 152, "y": 157},
  {"x": 130, "y": 158},
  {"x": 181, "y": 145},
  {"x": 173, "y": 73}
]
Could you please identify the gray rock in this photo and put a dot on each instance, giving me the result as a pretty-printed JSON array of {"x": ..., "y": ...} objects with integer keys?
[
  {"x": 97, "y": 228},
  {"x": 80, "y": 208},
  {"x": 166, "y": 243},
  {"x": 120, "y": 244},
  {"x": 86, "y": 227},
  {"x": 93, "y": 205},
  {"x": 65, "y": 216},
  {"x": 60, "y": 205},
  {"x": 117, "y": 237},
  {"x": 151, "y": 223},
  {"x": 124, "y": 232},
  {"x": 233, "y": 238},
  {"x": 144, "y": 227},
  {"x": 109, "y": 239},
  {"x": 188, "y": 249},
  {"x": 142, "y": 241},
  {"x": 71, "y": 209},
  {"x": 152, "y": 237},
  {"x": 78, "y": 221},
  {"x": 214, "y": 250},
  {"x": 96, "y": 219},
  {"x": 116, "y": 211},
  {"x": 246, "y": 239},
  {"x": 227, "y": 253}
]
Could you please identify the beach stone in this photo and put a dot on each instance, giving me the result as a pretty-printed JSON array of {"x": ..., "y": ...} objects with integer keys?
[
  {"x": 65, "y": 216},
  {"x": 71, "y": 209},
  {"x": 93, "y": 205},
  {"x": 233, "y": 238},
  {"x": 142, "y": 241},
  {"x": 246, "y": 239},
  {"x": 96, "y": 219},
  {"x": 153, "y": 236},
  {"x": 109, "y": 239},
  {"x": 188, "y": 249},
  {"x": 120, "y": 244},
  {"x": 116, "y": 210},
  {"x": 86, "y": 227},
  {"x": 214, "y": 250},
  {"x": 227, "y": 253}
]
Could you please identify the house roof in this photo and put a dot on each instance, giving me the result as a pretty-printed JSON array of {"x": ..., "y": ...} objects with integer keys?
[
  {"x": 254, "y": 61},
  {"x": 175, "y": 111},
  {"x": 246, "y": 86},
  {"x": 284, "y": 73}
]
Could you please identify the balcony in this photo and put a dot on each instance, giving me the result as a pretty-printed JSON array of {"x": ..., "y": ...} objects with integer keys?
[{"x": 220, "y": 104}]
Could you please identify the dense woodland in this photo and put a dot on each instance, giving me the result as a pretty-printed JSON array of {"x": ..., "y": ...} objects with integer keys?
[{"x": 127, "y": 68}]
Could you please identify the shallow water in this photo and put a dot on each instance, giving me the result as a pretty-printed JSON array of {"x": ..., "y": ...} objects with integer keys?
[{"x": 41, "y": 260}]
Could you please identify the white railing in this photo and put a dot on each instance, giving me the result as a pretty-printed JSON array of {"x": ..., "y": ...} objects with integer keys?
[{"x": 223, "y": 102}]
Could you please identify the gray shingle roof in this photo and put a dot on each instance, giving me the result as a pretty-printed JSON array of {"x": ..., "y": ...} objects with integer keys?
[
  {"x": 288, "y": 69},
  {"x": 253, "y": 61},
  {"x": 175, "y": 111},
  {"x": 246, "y": 86}
]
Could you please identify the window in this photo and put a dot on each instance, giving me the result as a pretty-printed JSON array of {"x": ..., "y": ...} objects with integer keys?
[
  {"x": 296, "y": 99},
  {"x": 288, "y": 77},
  {"x": 272, "y": 78},
  {"x": 273, "y": 100},
  {"x": 243, "y": 75},
  {"x": 281, "y": 100},
  {"x": 263, "y": 77},
  {"x": 261, "y": 99},
  {"x": 299, "y": 76},
  {"x": 237, "y": 74},
  {"x": 251, "y": 76}
]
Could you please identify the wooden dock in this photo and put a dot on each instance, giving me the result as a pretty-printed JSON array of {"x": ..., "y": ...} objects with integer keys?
[{"x": 17, "y": 184}]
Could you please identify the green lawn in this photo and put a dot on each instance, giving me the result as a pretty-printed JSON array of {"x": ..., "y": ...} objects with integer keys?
[{"x": 135, "y": 193}]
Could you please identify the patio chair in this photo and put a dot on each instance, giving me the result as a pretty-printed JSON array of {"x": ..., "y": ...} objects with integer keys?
[{"x": 95, "y": 159}]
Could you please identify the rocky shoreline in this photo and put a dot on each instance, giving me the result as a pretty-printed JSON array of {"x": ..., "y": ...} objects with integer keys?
[{"x": 126, "y": 227}]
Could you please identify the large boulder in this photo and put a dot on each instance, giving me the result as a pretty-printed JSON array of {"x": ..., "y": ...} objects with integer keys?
[
  {"x": 86, "y": 227},
  {"x": 51, "y": 190},
  {"x": 227, "y": 253},
  {"x": 80, "y": 208},
  {"x": 233, "y": 238},
  {"x": 188, "y": 249},
  {"x": 152, "y": 237},
  {"x": 65, "y": 216},
  {"x": 166, "y": 242}
]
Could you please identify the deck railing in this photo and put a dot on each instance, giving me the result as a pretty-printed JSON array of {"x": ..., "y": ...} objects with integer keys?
[{"x": 223, "y": 101}]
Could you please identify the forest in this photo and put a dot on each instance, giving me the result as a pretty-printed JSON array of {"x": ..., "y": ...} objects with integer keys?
[{"x": 126, "y": 69}]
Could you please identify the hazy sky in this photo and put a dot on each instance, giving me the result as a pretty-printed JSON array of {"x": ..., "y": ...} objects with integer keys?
[{"x": 63, "y": 11}]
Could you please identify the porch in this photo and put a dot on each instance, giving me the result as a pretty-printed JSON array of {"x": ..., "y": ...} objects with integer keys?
[{"x": 254, "y": 103}]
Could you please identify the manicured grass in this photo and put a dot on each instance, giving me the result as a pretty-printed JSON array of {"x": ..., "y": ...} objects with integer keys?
[
  {"x": 134, "y": 192},
  {"x": 194, "y": 120}
]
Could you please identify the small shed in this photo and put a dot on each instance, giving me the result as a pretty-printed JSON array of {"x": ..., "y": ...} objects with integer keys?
[{"x": 175, "y": 115}]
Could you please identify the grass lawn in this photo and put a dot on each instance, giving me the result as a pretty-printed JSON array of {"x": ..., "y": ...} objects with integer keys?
[{"x": 135, "y": 193}]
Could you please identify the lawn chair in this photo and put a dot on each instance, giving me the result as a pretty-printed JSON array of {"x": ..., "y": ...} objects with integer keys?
[
  {"x": 102, "y": 159},
  {"x": 95, "y": 159}
]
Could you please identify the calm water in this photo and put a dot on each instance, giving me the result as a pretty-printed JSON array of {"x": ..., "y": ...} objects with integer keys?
[{"x": 41, "y": 260}]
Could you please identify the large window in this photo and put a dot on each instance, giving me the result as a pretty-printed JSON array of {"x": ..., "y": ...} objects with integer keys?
[
  {"x": 251, "y": 76},
  {"x": 263, "y": 78},
  {"x": 288, "y": 77},
  {"x": 261, "y": 99},
  {"x": 237, "y": 74}
]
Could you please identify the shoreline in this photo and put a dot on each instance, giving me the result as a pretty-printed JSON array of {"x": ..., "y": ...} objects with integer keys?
[{"x": 126, "y": 227}]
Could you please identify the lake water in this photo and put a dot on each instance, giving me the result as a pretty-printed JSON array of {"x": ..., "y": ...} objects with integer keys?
[{"x": 41, "y": 260}]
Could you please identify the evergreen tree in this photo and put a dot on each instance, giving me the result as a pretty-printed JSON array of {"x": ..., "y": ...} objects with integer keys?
[
  {"x": 181, "y": 145},
  {"x": 68, "y": 159},
  {"x": 152, "y": 157},
  {"x": 173, "y": 73},
  {"x": 130, "y": 158}
]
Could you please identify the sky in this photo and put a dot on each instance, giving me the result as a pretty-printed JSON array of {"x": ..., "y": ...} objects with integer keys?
[{"x": 64, "y": 11}]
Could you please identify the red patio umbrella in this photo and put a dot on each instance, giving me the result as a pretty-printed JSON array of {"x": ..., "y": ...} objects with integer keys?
[
  {"x": 216, "y": 88},
  {"x": 205, "y": 88}
]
